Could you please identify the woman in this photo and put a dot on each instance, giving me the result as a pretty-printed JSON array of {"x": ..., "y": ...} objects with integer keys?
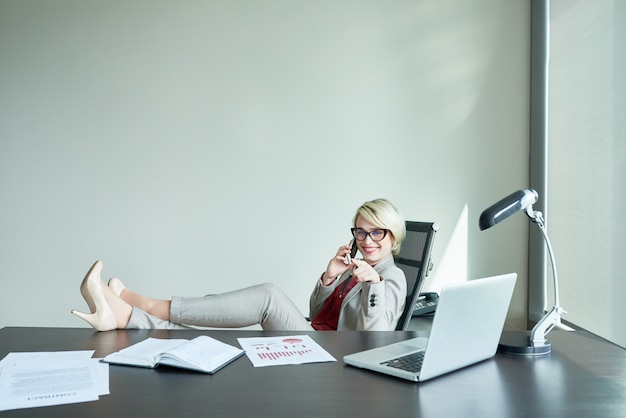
[{"x": 352, "y": 294}]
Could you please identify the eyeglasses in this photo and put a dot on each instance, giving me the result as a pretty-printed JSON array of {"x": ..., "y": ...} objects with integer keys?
[{"x": 375, "y": 235}]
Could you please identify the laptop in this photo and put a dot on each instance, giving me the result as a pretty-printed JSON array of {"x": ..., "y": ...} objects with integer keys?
[{"x": 466, "y": 329}]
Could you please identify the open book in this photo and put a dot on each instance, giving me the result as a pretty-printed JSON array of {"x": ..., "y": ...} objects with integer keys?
[{"x": 202, "y": 354}]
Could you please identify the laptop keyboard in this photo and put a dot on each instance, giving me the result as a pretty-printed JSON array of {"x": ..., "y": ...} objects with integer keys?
[{"x": 410, "y": 363}]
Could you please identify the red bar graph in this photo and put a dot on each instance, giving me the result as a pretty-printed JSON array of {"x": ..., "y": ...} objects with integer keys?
[
  {"x": 289, "y": 348},
  {"x": 275, "y": 355}
]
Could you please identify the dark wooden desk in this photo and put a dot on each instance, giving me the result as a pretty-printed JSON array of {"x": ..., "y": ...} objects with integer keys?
[{"x": 583, "y": 377}]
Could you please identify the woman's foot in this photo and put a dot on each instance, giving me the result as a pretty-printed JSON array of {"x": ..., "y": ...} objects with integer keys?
[{"x": 108, "y": 311}]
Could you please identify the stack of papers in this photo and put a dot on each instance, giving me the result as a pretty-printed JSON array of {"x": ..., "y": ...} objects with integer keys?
[{"x": 29, "y": 380}]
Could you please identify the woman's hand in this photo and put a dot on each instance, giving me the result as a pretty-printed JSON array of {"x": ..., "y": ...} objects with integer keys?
[
  {"x": 363, "y": 272},
  {"x": 337, "y": 265}
]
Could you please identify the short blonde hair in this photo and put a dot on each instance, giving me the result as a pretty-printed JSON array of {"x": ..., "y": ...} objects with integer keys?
[{"x": 381, "y": 213}]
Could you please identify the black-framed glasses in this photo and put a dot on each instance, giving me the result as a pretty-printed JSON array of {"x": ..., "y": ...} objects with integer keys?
[{"x": 375, "y": 234}]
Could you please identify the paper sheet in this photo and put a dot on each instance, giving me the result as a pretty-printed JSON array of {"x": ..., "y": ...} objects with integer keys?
[
  {"x": 29, "y": 380},
  {"x": 292, "y": 349}
]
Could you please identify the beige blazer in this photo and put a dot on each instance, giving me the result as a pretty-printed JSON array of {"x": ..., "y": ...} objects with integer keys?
[{"x": 368, "y": 306}]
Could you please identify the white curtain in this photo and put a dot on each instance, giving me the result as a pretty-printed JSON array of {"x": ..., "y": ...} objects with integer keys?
[{"x": 587, "y": 161}]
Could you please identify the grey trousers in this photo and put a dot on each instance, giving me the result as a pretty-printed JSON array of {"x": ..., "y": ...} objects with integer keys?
[{"x": 263, "y": 304}]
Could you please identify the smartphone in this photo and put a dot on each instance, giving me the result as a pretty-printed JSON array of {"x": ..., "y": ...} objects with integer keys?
[{"x": 352, "y": 254}]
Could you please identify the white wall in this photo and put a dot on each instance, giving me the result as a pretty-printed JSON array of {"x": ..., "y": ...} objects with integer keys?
[{"x": 201, "y": 146}]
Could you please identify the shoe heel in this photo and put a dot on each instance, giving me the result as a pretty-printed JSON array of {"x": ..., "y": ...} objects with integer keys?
[{"x": 95, "y": 320}]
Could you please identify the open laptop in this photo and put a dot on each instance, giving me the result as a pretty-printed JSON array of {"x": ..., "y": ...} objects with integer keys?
[{"x": 466, "y": 329}]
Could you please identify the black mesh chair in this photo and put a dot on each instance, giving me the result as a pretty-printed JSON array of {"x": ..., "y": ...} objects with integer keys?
[{"x": 415, "y": 260}]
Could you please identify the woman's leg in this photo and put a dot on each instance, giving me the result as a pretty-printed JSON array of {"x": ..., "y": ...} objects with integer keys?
[
  {"x": 158, "y": 308},
  {"x": 146, "y": 312},
  {"x": 263, "y": 304},
  {"x": 140, "y": 319}
]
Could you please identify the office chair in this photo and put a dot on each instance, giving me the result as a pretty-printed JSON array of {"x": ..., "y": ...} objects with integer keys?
[{"x": 414, "y": 259}]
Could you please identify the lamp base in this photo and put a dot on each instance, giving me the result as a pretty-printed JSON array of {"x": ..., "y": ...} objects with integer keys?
[{"x": 518, "y": 343}]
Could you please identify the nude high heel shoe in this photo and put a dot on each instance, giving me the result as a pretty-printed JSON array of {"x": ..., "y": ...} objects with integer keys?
[
  {"x": 101, "y": 316},
  {"x": 83, "y": 287}
]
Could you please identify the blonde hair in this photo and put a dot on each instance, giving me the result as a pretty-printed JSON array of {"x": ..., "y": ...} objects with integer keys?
[{"x": 381, "y": 213}]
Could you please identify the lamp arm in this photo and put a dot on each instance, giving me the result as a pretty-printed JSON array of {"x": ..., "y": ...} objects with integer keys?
[
  {"x": 544, "y": 326},
  {"x": 553, "y": 317}
]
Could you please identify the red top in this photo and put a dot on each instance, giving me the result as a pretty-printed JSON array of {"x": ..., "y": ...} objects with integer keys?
[{"x": 328, "y": 317}]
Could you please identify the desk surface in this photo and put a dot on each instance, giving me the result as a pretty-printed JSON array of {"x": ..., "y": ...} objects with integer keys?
[{"x": 584, "y": 376}]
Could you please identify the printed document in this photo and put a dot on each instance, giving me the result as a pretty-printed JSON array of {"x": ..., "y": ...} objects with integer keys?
[
  {"x": 292, "y": 349},
  {"x": 29, "y": 380}
]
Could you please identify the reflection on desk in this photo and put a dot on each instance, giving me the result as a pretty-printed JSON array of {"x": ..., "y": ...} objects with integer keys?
[{"x": 584, "y": 376}]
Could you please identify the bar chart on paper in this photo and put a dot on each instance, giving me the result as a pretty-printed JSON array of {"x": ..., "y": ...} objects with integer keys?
[
  {"x": 274, "y": 351},
  {"x": 289, "y": 347}
]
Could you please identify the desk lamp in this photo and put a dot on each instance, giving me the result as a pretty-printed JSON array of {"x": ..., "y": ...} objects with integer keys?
[{"x": 522, "y": 342}]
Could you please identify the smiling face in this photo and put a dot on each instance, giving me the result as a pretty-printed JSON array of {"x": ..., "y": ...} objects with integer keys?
[{"x": 373, "y": 251}]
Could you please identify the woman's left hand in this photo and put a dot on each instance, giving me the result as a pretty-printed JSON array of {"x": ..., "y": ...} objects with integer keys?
[{"x": 363, "y": 272}]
